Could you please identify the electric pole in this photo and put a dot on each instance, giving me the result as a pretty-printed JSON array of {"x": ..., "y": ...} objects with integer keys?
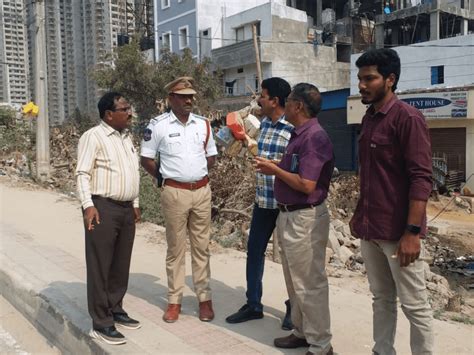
[
  {"x": 41, "y": 95},
  {"x": 257, "y": 54}
]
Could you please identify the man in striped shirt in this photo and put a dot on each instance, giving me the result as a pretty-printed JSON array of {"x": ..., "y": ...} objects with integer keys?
[
  {"x": 275, "y": 133},
  {"x": 108, "y": 178}
]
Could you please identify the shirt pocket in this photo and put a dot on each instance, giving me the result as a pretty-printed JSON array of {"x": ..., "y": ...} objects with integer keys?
[
  {"x": 173, "y": 145},
  {"x": 198, "y": 140},
  {"x": 382, "y": 146}
]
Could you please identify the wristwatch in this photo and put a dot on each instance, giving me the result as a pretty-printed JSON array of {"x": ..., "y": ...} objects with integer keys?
[{"x": 413, "y": 228}]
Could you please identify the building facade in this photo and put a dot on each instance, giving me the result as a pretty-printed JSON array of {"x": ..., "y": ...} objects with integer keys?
[
  {"x": 194, "y": 24},
  {"x": 13, "y": 53},
  {"x": 80, "y": 34},
  {"x": 284, "y": 48},
  {"x": 408, "y": 22}
]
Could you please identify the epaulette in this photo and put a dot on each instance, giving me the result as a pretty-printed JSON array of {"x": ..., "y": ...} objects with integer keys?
[
  {"x": 201, "y": 117},
  {"x": 159, "y": 118}
]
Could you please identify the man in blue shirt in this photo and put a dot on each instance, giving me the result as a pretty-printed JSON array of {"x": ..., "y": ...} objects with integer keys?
[{"x": 275, "y": 133}]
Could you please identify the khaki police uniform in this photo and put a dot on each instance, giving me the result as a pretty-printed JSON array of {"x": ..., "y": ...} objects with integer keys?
[{"x": 185, "y": 197}]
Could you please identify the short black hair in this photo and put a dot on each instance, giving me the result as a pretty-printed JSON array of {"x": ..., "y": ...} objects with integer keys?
[
  {"x": 310, "y": 96},
  {"x": 107, "y": 102},
  {"x": 277, "y": 87},
  {"x": 386, "y": 60}
]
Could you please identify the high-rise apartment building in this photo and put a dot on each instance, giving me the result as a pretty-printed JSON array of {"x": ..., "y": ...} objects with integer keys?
[
  {"x": 13, "y": 53},
  {"x": 80, "y": 34}
]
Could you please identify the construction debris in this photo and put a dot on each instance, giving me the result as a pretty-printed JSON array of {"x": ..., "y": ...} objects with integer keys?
[{"x": 238, "y": 137}]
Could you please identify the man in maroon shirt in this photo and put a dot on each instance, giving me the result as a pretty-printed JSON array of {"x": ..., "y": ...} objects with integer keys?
[
  {"x": 301, "y": 187},
  {"x": 390, "y": 217}
]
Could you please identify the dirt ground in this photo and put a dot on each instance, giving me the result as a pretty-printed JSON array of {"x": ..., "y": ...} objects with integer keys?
[{"x": 461, "y": 225}]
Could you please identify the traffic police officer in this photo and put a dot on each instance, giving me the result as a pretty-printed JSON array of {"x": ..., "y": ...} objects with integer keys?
[{"x": 187, "y": 149}]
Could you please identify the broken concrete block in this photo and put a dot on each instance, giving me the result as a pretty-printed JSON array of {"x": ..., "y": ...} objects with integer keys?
[
  {"x": 346, "y": 230},
  {"x": 345, "y": 253},
  {"x": 337, "y": 223},
  {"x": 329, "y": 255},
  {"x": 333, "y": 243},
  {"x": 341, "y": 238},
  {"x": 438, "y": 228},
  {"x": 252, "y": 126},
  {"x": 355, "y": 243},
  {"x": 358, "y": 257}
]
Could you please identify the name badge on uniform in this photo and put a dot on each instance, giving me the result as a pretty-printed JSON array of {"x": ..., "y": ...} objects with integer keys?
[{"x": 171, "y": 135}]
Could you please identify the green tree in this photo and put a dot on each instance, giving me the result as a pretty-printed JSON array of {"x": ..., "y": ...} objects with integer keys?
[
  {"x": 7, "y": 116},
  {"x": 143, "y": 83},
  {"x": 15, "y": 133}
]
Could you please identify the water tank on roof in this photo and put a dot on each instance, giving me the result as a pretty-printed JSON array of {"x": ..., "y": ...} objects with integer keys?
[{"x": 328, "y": 19}]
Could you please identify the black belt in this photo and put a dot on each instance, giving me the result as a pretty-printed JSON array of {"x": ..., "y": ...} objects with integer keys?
[
  {"x": 290, "y": 208},
  {"x": 120, "y": 203}
]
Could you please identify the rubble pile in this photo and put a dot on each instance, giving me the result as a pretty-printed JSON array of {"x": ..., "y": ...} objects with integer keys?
[
  {"x": 15, "y": 164},
  {"x": 343, "y": 253},
  {"x": 238, "y": 136},
  {"x": 233, "y": 194},
  {"x": 343, "y": 195},
  {"x": 63, "y": 157},
  {"x": 343, "y": 250}
]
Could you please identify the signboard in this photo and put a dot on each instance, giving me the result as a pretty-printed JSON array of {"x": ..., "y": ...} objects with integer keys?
[{"x": 439, "y": 104}]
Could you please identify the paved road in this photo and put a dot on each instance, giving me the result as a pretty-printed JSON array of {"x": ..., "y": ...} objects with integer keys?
[
  {"x": 18, "y": 336},
  {"x": 42, "y": 270}
]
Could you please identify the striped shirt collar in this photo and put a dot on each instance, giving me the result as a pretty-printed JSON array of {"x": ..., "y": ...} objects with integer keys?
[{"x": 109, "y": 130}]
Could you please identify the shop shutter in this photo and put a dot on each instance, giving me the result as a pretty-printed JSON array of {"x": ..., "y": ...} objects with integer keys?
[{"x": 450, "y": 143}]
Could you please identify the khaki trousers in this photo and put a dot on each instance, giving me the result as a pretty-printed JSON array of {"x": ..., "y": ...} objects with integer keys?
[
  {"x": 387, "y": 280},
  {"x": 187, "y": 212},
  {"x": 304, "y": 236}
]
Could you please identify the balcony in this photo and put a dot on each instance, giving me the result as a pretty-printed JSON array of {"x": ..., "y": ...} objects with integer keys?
[{"x": 231, "y": 56}]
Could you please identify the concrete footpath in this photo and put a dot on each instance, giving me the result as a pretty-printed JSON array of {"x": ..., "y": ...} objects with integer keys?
[{"x": 42, "y": 273}]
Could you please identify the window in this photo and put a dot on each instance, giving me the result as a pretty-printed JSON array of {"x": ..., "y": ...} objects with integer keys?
[
  {"x": 240, "y": 70},
  {"x": 239, "y": 34},
  {"x": 166, "y": 40},
  {"x": 437, "y": 75},
  {"x": 183, "y": 37},
  {"x": 165, "y": 4},
  {"x": 257, "y": 25}
]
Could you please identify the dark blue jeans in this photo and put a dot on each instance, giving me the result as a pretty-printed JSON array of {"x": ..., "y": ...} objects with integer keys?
[{"x": 261, "y": 229}]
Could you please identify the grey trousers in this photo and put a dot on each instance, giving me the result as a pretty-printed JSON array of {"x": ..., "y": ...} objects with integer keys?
[
  {"x": 387, "y": 280},
  {"x": 303, "y": 235}
]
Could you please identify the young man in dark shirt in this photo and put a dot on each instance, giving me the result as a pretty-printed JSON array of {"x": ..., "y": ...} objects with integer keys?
[{"x": 390, "y": 217}]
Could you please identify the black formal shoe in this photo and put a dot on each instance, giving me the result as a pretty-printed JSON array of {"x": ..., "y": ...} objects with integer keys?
[
  {"x": 244, "y": 314},
  {"x": 110, "y": 335},
  {"x": 330, "y": 352},
  {"x": 287, "y": 324},
  {"x": 290, "y": 342},
  {"x": 123, "y": 320}
]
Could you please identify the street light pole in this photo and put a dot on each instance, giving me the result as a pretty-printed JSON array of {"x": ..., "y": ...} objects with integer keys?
[{"x": 41, "y": 95}]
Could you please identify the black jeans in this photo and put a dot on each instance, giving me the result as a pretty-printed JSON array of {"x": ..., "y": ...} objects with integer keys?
[{"x": 261, "y": 229}]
